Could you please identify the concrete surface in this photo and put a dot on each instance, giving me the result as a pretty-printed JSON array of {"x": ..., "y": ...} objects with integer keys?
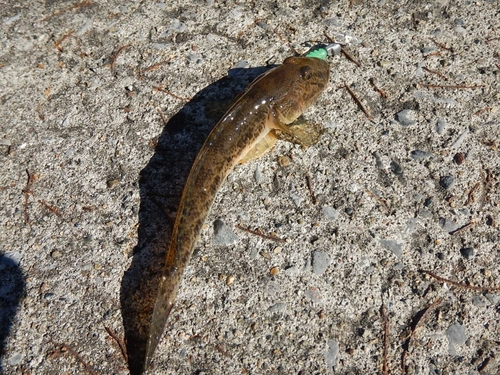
[{"x": 103, "y": 107}]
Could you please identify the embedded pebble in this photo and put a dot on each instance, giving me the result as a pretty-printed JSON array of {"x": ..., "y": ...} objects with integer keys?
[
  {"x": 274, "y": 271},
  {"x": 412, "y": 225},
  {"x": 331, "y": 213},
  {"x": 223, "y": 235},
  {"x": 467, "y": 252},
  {"x": 272, "y": 288},
  {"x": 456, "y": 336},
  {"x": 424, "y": 213},
  {"x": 407, "y": 117},
  {"x": 459, "y": 158},
  {"x": 313, "y": 294},
  {"x": 280, "y": 306},
  {"x": 420, "y": 155},
  {"x": 112, "y": 183},
  {"x": 242, "y": 64},
  {"x": 393, "y": 246},
  {"x": 441, "y": 125},
  {"x": 177, "y": 26},
  {"x": 460, "y": 139},
  {"x": 230, "y": 279},
  {"x": 15, "y": 359},
  {"x": 56, "y": 254},
  {"x": 283, "y": 161},
  {"x": 320, "y": 262},
  {"x": 448, "y": 225},
  {"x": 195, "y": 58},
  {"x": 479, "y": 301},
  {"x": 446, "y": 181},
  {"x": 257, "y": 174},
  {"x": 460, "y": 30},
  {"x": 331, "y": 354},
  {"x": 293, "y": 270},
  {"x": 492, "y": 298},
  {"x": 297, "y": 199}
]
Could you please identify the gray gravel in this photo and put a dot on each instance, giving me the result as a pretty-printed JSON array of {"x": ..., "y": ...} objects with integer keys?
[{"x": 104, "y": 106}]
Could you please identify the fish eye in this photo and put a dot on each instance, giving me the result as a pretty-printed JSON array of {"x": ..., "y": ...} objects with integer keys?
[{"x": 306, "y": 72}]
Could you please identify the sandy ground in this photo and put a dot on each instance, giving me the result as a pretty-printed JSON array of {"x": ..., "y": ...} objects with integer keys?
[{"x": 104, "y": 106}]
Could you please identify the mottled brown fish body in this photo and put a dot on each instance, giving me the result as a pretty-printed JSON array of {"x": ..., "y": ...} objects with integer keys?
[{"x": 273, "y": 100}]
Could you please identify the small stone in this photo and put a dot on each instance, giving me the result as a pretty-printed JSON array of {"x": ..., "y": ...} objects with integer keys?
[
  {"x": 283, "y": 161},
  {"x": 396, "y": 168},
  {"x": 55, "y": 254},
  {"x": 331, "y": 353},
  {"x": 320, "y": 262},
  {"x": 257, "y": 174},
  {"x": 297, "y": 199},
  {"x": 331, "y": 213},
  {"x": 420, "y": 155},
  {"x": 456, "y": 334},
  {"x": 97, "y": 267},
  {"x": 441, "y": 125},
  {"x": 448, "y": 225},
  {"x": 15, "y": 359},
  {"x": 223, "y": 235},
  {"x": 424, "y": 213},
  {"x": 177, "y": 26},
  {"x": 460, "y": 30},
  {"x": 392, "y": 245},
  {"x": 280, "y": 306},
  {"x": 428, "y": 202},
  {"x": 313, "y": 294},
  {"x": 112, "y": 183},
  {"x": 467, "y": 253},
  {"x": 230, "y": 279},
  {"x": 272, "y": 288},
  {"x": 242, "y": 64},
  {"x": 407, "y": 117},
  {"x": 479, "y": 301},
  {"x": 446, "y": 181},
  {"x": 459, "y": 158},
  {"x": 492, "y": 298},
  {"x": 274, "y": 271}
]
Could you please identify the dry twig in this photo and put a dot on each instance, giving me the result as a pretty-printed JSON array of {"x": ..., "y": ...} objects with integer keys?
[
  {"x": 27, "y": 191},
  {"x": 358, "y": 102},
  {"x": 382, "y": 93},
  {"x": 452, "y": 87},
  {"x": 240, "y": 34},
  {"x": 463, "y": 228},
  {"x": 385, "y": 347},
  {"x": 441, "y": 45},
  {"x": 416, "y": 322},
  {"x": 311, "y": 192},
  {"x": 115, "y": 57},
  {"x": 51, "y": 208},
  {"x": 272, "y": 238},
  {"x": 158, "y": 88},
  {"x": 57, "y": 44},
  {"x": 120, "y": 343},
  {"x": 76, "y": 6},
  {"x": 470, "y": 196},
  {"x": 461, "y": 285},
  {"x": 65, "y": 348},
  {"x": 441, "y": 75}
]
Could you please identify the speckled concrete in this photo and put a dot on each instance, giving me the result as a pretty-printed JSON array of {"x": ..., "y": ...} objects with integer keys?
[{"x": 103, "y": 108}]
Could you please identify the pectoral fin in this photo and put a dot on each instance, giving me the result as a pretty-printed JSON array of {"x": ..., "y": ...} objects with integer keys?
[
  {"x": 264, "y": 145},
  {"x": 299, "y": 131}
]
